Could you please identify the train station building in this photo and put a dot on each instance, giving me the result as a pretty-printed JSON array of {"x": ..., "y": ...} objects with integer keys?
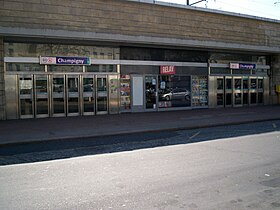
[{"x": 92, "y": 57}]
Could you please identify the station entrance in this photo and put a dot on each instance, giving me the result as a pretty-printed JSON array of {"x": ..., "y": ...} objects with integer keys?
[
  {"x": 237, "y": 91},
  {"x": 60, "y": 95}
]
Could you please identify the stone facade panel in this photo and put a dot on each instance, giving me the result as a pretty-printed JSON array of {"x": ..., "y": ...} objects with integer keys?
[{"x": 138, "y": 19}]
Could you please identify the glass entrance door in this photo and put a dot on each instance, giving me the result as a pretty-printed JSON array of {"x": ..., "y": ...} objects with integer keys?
[
  {"x": 151, "y": 92},
  {"x": 73, "y": 95},
  {"x": 253, "y": 91},
  {"x": 220, "y": 92},
  {"x": 41, "y": 96},
  {"x": 101, "y": 94},
  {"x": 58, "y": 96},
  {"x": 237, "y": 91},
  {"x": 26, "y": 105},
  {"x": 88, "y": 98},
  {"x": 228, "y": 91}
]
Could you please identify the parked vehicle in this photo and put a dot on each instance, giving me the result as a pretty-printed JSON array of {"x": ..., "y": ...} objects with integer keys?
[{"x": 177, "y": 94}]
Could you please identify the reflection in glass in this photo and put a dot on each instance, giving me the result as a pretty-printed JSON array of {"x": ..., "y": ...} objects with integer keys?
[
  {"x": 102, "y": 95},
  {"x": 150, "y": 84},
  {"x": 41, "y": 85},
  {"x": 175, "y": 91},
  {"x": 260, "y": 98},
  {"x": 73, "y": 84},
  {"x": 253, "y": 84},
  {"x": 260, "y": 83},
  {"x": 42, "y": 106},
  {"x": 73, "y": 105},
  {"x": 237, "y": 99},
  {"x": 245, "y": 84},
  {"x": 88, "y": 85},
  {"x": 237, "y": 84},
  {"x": 102, "y": 104},
  {"x": 101, "y": 84},
  {"x": 26, "y": 107},
  {"x": 245, "y": 98},
  {"x": 228, "y": 99},
  {"x": 125, "y": 92},
  {"x": 58, "y": 85},
  {"x": 25, "y": 86},
  {"x": 220, "y": 84},
  {"x": 253, "y": 98},
  {"x": 220, "y": 99},
  {"x": 88, "y": 104},
  {"x": 228, "y": 83},
  {"x": 58, "y": 106}
]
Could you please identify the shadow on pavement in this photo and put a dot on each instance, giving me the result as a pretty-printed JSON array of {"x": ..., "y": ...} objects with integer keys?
[{"x": 62, "y": 149}]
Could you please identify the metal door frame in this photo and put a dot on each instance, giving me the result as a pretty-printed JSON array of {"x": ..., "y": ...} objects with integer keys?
[
  {"x": 28, "y": 96},
  {"x": 228, "y": 91},
  {"x": 83, "y": 94},
  {"x": 219, "y": 91},
  {"x": 63, "y": 94},
  {"x": 237, "y": 91},
  {"x": 253, "y": 91},
  {"x": 41, "y": 96},
  {"x": 107, "y": 95},
  {"x": 75, "y": 95}
]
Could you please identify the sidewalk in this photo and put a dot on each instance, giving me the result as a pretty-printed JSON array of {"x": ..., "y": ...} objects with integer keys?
[{"x": 30, "y": 130}]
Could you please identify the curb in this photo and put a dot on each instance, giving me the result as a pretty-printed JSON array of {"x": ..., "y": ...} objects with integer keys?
[{"x": 34, "y": 141}]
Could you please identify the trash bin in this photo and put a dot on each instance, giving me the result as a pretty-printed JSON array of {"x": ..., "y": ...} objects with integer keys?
[{"x": 277, "y": 89}]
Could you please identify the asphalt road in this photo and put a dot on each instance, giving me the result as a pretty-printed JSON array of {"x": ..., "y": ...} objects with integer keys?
[{"x": 231, "y": 167}]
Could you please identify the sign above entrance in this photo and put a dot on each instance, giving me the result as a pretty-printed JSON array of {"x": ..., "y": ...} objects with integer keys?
[
  {"x": 167, "y": 70},
  {"x": 242, "y": 66},
  {"x": 60, "y": 60}
]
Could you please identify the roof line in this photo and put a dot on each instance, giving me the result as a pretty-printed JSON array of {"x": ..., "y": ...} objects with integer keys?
[{"x": 182, "y": 6}]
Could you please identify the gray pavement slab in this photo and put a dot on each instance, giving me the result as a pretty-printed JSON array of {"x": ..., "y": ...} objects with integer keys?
[{"x": 31, "y": 130}]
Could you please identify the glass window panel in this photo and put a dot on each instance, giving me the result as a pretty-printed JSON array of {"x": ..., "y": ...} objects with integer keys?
[
  {"x": 237, "y": 84},
  {"x": 56, "y": 68},
  {"x": 228, "y": 99},
  {"x": 58, "y": 105},
  {"x": 125, "y": 93},
  {"x": 253, "y": 84},
  {"x": 42, "y": 106},
  {"x": 25, "y": 86},
  {"x": 25, "y": 67},
  {"x": 174, "y": 91},
  {"x": 253, "y": 98},
  {"x": 245, "y": 84},
  {"x": 101, "y": 68},
  {"x": 245, "y": 98},
  {"x": 260, "y": 83},
  {"x": 220, "y": 99},
  {"x": 26, "y": 107},
  {"x": 220, "y": 84},
  {"x": 228, "y": 83}
]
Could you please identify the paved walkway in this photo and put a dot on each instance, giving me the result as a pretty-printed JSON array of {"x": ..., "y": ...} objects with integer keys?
[{"x": 30, "y": 130}]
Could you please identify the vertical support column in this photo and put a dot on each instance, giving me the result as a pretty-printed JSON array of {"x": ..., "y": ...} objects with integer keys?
[
  {"x": 275, "y": 79},
  {"x": 2, "y": 81}
]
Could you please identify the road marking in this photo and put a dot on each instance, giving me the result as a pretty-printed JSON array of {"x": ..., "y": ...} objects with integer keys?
[{"x": 196, "y": 134}]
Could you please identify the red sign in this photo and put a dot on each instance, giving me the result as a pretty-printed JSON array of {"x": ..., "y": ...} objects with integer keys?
[{"x": 167, "y": 70}]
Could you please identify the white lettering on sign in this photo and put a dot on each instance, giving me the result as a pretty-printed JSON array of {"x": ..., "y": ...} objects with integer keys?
[{"x": 167, "y": 70}]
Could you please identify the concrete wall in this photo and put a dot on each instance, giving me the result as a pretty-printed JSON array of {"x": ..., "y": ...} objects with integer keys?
[
  {"x": 138, "y": 19},
  {"x": 2, "y": 83}
]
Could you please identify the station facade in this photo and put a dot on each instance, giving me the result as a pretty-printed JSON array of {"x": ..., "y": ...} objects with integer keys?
[{"x": 93, "y": 57}]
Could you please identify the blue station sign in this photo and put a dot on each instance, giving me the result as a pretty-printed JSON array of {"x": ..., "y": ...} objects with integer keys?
[
  {"x": 243, "y": 66},
  {"x": 62, "y": 60}
]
